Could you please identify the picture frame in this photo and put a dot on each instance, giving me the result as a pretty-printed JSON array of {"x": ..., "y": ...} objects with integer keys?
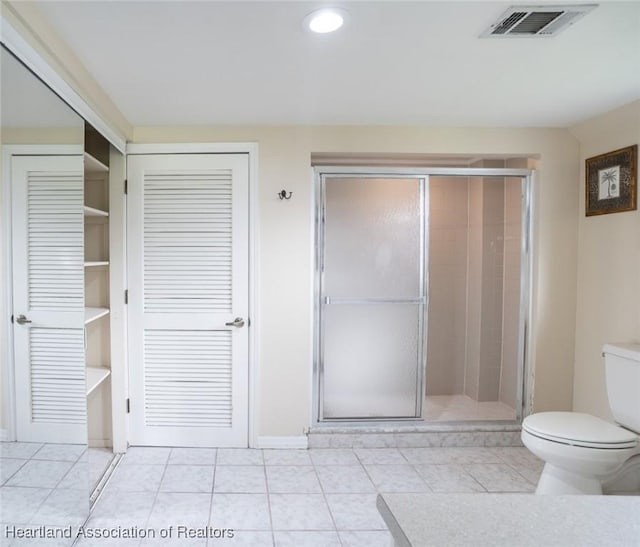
[{"x": 612, "y": 182}]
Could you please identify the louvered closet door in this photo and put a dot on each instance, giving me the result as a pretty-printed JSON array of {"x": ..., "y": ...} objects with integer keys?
[
  {"x": 48, "y": 290},
  {"x": 188, "y": 278}
]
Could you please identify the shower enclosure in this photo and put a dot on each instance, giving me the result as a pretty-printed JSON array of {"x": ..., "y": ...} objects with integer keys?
[{"x": 422, "y": 285}]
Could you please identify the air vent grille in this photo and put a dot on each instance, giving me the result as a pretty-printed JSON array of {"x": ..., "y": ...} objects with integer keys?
[
  {"x": 535, "y": 22},
  {"x": 532, "y": 21},
  {"x": 509, "y": 22}
]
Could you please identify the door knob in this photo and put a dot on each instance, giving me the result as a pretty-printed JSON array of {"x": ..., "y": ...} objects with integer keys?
[
  {"x": 237, "y": 322},
  {"x": 21, "y": 320}
]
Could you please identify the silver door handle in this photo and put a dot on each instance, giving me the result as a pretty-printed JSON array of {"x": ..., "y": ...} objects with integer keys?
[
  {"x": 21, "y": 320},
  {"x": 237, "y": 322}
]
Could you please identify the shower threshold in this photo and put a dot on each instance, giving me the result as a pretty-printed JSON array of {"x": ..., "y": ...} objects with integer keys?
[{"x": 450, "y": 420}]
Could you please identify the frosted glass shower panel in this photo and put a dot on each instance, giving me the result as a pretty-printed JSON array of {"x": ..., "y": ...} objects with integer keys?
[
  {"x": 370, "y": 356},
  {"x": 372, "y": 231}
]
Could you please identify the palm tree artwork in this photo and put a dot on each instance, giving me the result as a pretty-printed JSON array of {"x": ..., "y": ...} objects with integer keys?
[{"x": 609, "y": 183}]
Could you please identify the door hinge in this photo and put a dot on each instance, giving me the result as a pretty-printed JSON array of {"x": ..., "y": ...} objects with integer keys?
[
  {"x": 128, "y": 406},
  {"x": 126, "y": 296},
  {"x": 126, "y": 187},
  {"x": 12, "y": 318}
]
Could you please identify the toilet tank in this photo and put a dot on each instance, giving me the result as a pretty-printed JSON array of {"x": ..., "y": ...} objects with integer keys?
[{"x": 622, "y": 369}]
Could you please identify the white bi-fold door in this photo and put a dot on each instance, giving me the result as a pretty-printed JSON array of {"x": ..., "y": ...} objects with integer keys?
[
  {"x": 188, "y": 283},
  {"x": 48, "y": 298}
]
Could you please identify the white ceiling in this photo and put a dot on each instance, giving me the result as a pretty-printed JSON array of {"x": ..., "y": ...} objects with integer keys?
[{"x": 405, "y": 63}]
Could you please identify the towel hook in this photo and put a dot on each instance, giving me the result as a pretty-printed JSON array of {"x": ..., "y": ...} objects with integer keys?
[{"x": 282, "y": 194}]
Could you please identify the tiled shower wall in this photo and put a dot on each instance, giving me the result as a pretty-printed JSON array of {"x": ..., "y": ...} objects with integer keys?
[
  {"x": 448, "y": 285},
  {"x": 473, "y": 337},
  {"x": 492, "y": 251},
  {"x": 474, "y": 275},
  {"x": 511, "y": 303}
]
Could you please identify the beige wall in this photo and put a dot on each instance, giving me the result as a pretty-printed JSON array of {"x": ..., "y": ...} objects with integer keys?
[
  {"x": 608, "y": 295},
  {"x": 285, "y": 230},
  {"x": 68, "y": 135}
]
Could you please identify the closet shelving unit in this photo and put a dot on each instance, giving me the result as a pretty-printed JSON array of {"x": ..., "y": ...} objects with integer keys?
[
  {"x": 96, "y": 215},
  {"x": 103, "y": 265}
]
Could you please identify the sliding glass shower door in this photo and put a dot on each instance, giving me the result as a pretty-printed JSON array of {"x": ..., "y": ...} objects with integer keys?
[{"x": 372, "y": 297}]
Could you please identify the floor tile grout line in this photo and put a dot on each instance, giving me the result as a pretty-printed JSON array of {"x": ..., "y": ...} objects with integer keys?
[
  {"x": 268, "y": 493},
  {"x": 398, "y": 450},
  {"x": 366, "y": 471},
  {"x": 155, "y": 497},
  {"x": 23, "y": 443},
  {"x": 476, "y": 480},
  {"x": 499, "y": 491},
  {"x": 213, "y": 485},
  {"x": 30, "y": 460},
  {"x": 71, "y": 469},
  {"x": 4, "y": 483},
  {"x": 32, "y": 487},
  {"x": 326, "y": 501},
  {"x": 51, "y": 490},
  {"x": 519, "y": 473},
  {"x": 513, "y": 466},
  {"x": 461, "y": 466},
  {"x": 429, "y": 488},
  {"x": 420, "y": 477},
  {"x": 63, "y": 476},
  {"x": 41, "y": 504}
]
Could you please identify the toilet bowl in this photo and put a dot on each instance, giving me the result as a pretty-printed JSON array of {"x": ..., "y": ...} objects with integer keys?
[{"x": 581, "y": 451}]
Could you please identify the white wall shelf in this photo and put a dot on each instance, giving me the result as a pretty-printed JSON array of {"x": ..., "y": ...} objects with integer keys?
[
  {"x": 92, "y": 165},
  {"x": 95, "y": 376},
  {"x": 97, "y": 269},
  {"x": 93, "y": 212},
  {"x": 91, "y": 314}
]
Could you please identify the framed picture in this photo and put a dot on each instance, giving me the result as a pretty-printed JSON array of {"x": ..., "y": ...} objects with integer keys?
[{"x": 612, "y": 182}]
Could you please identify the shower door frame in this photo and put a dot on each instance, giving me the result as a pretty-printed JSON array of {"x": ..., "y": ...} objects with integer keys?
[
  {"x": 524, "y": 377},
  {"x": 421, "y": 301}
]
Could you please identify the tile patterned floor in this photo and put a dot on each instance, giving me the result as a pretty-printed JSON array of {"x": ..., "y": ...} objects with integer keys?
[{"x": 316, "y": 497}]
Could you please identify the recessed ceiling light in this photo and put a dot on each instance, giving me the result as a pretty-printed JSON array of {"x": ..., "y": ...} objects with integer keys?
[{"x": 325, "y": 20}]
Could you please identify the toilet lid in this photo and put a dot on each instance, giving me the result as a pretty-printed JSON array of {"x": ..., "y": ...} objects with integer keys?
[{"x": 578, "y": 429}]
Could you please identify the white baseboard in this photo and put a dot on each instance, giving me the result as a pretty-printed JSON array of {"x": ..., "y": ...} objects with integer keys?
[{"x": 300, "y": 442}]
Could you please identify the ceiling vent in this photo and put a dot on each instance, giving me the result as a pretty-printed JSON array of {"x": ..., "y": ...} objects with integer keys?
[{"x": 538, "y": 21}]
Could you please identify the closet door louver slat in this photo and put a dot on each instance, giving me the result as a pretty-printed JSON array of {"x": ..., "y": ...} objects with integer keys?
[
  {"x": 180, "y": 275},
  {"x": 58, "y": 392},
  {"x": 187, "y": 237},
  {"x": 55, "y": 241},
  {"x": 180, "y": 393}
]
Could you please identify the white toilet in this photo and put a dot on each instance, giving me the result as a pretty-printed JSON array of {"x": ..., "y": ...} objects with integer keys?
[{"x": 581, "y": 451}]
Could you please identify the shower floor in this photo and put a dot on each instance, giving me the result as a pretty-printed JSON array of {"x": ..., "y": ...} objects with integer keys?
[{"x": 459, "y": 408}]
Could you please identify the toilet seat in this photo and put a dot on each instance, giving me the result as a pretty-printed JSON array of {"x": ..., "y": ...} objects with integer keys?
[{"x": 578, "y": 429}]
